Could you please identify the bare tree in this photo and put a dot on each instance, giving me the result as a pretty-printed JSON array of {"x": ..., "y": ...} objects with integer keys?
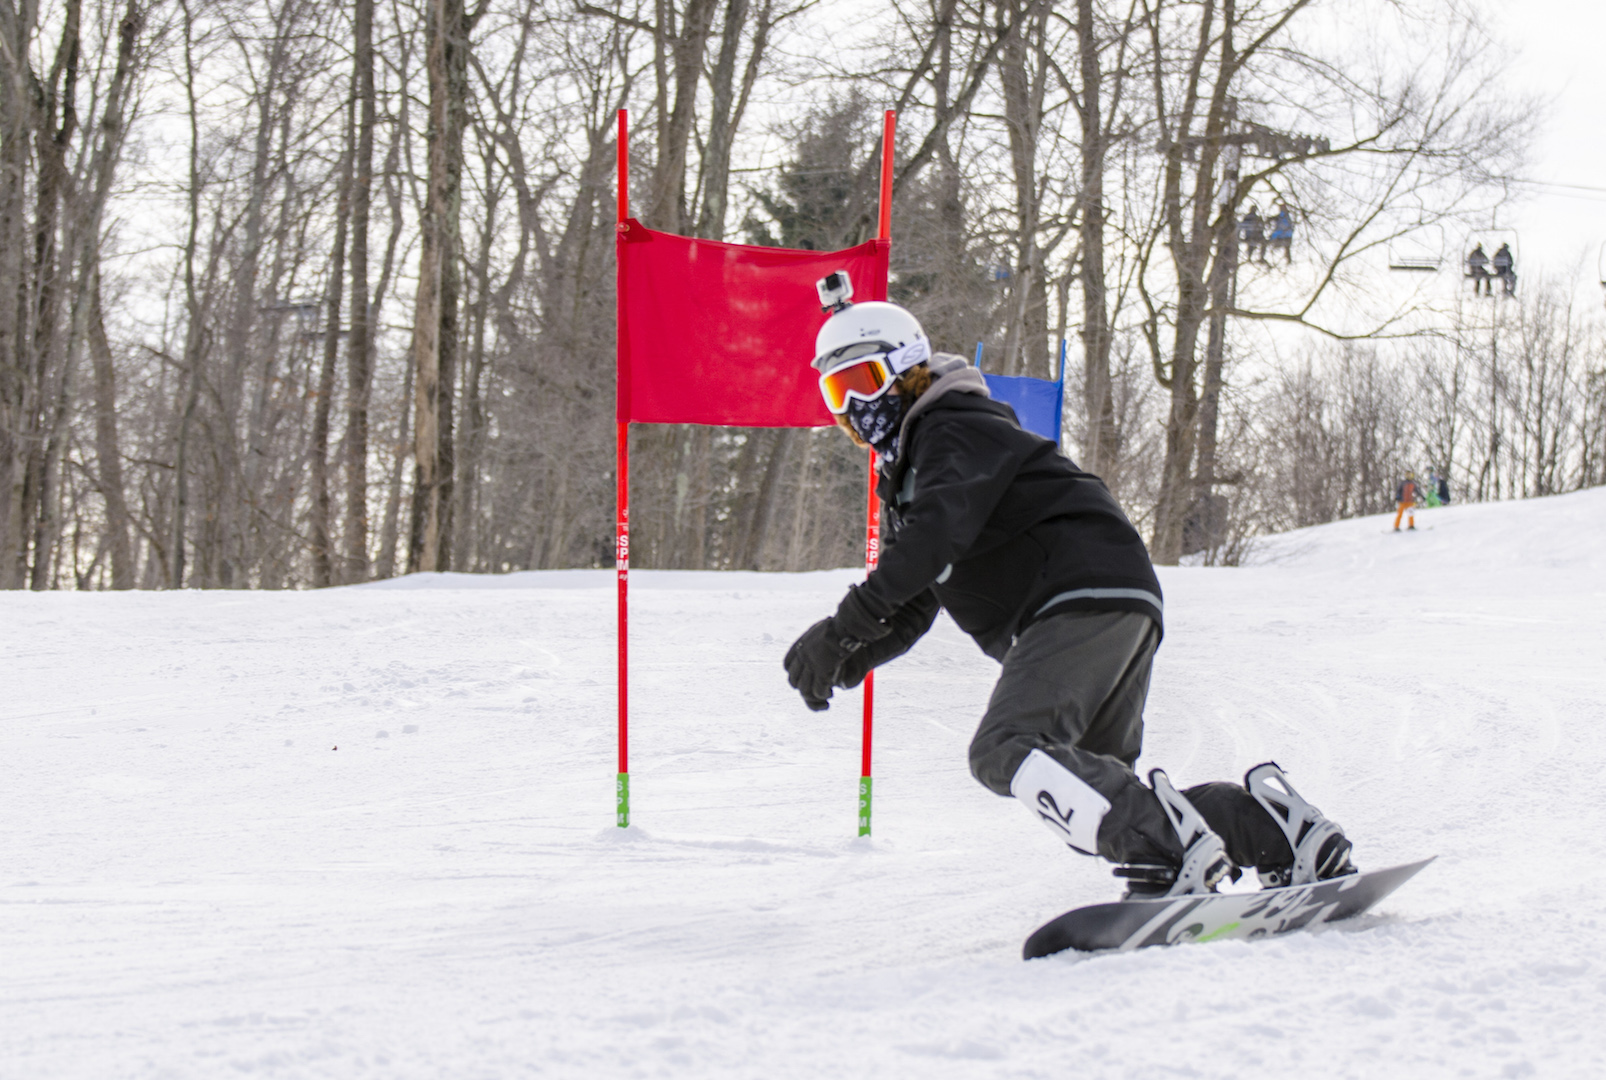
[
  {"x": 359, "y": 358},
  {"x": 172, "y": 405},
  {"x": 193, "y": 322},
  {"x": 448, "y": 25},
  {"x": 1416, "y": 140},
  {"x": 323, "y": 547}
]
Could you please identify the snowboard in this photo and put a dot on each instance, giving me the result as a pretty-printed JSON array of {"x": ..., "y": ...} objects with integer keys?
[{"x": 1137, "y": 924}]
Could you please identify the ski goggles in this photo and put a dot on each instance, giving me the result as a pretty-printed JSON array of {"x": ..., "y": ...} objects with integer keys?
[{"x": 865, "y": 378}]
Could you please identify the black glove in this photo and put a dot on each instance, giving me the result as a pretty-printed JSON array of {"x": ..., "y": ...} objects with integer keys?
[
  {"x": 812, "y": 661},
  {"x": 857, "y": 620},
  {"x": 814, "y": 658},
  {"x": 906, "y": 626}
]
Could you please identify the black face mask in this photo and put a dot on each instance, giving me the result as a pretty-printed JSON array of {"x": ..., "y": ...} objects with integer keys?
[{"x": 877, "y": 422}]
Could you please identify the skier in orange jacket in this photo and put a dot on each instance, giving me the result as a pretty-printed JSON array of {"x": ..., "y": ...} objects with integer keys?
[{"x": 1407, "y": 495}]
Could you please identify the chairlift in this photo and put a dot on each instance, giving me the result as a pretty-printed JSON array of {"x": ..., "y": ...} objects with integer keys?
[
  {"x": 1264, "y": 234},
  {"x": 308, "y": 314},
  {"x": 1418, "y": 251},
  {"x": 1486, "y": 273}
]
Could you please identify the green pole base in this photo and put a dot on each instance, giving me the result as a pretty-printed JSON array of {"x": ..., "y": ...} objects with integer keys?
[
  {"x": 864, "y": 806},
  {"x": 621, "y": 798}
]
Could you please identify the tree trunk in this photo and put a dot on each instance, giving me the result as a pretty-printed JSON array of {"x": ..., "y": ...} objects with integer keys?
[
  {"x": 666, "y": 201},
  {"x": 435, "y": 331},
  {"x": 1202, "y": 525},
  {"x": 322, "y": 545},
  {"x": 359, "y": 358},
  {"x": 473, "y": 439},
  {"x": 108, "y": 451},
  {"x": 48, "y": 380},
  {"x": 1023, "y": 72},
  {"x": 800, "y": 506},
  {"x": 1098, "y": 401},
  {"x": 758, "y": 527},
  {"x": 192, "y": 315},
  {"x": 390, "y": 526},
  {"x": 240, "y": 332},
  {"x": 1192, "y": 228},
  {"x": 47, "y": 523},
  {"x": 88, "y": 322},
  {"x": 722, "y": 123},
  {"x": 14, "y": 122}
]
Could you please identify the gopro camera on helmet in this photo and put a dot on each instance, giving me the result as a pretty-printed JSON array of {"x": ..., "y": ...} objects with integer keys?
[{"x": 836, "y": 291}]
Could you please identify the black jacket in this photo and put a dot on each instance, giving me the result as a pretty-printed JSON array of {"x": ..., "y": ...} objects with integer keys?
[{"x": 997, "y": 523}]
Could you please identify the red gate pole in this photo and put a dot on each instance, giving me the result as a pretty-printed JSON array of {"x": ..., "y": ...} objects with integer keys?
[
  {"x": 872, "y": 554},
  {"x": 872, "y": 514},
  {"x": 622, "y": 521},
  {"x": 890, "y": 123}
]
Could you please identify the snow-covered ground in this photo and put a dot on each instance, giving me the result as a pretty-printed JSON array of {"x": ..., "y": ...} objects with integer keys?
[{"x": 196, "y": 882}]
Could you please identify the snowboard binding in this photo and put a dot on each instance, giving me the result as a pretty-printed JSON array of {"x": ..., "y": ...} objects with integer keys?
[
  {"x": 1321, "y": 851},
  {"x": 1204, "y": 856}
]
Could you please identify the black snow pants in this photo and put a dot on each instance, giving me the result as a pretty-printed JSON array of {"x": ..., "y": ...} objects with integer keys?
[{"x": 1074, "y": 686}]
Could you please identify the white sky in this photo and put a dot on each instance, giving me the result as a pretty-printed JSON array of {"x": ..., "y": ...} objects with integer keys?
[{"x": 1562, "y": 58}]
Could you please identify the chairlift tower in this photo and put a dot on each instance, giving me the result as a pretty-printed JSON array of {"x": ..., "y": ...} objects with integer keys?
[{"x": 1206, "y": 521}]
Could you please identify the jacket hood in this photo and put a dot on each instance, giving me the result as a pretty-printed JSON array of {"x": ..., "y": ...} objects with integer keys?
[{"x": 953, "y": 375}]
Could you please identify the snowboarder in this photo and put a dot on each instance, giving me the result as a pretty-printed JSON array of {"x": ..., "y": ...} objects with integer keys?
[
  {"x": 1443, "y": 485},
  {"x": 1478, "y": 271},
  {"x": 1035, "y": 560},
  {"x": 1505, "y": 268},
  {"x": 1406, "y": 496}
]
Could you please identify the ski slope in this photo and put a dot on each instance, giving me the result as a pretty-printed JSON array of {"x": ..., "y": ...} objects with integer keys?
[{"x": 367, "y": 832}]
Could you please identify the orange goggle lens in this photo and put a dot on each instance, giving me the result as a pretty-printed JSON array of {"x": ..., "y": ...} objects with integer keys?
[{"x": 865, "y": 379}]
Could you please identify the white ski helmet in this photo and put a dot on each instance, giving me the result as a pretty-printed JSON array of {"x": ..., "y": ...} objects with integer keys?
[{"x": 874, "y": 326}]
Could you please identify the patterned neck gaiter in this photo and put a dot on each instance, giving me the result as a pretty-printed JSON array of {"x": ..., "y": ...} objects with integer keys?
[{"x": 877, "y": 422}]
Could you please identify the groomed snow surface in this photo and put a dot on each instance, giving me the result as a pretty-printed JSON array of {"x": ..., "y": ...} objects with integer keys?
[{"x": 196, "y": 882}]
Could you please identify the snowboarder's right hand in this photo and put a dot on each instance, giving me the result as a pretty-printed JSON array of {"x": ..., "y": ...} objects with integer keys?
[
  {"x": 812, "y": 661},
  {"x": 905, "y": 626}
]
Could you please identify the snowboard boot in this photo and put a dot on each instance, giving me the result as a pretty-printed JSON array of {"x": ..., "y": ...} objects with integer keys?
[
  {"x": 1204, "y": 857},
  {"x": 1320, "y": 848}
]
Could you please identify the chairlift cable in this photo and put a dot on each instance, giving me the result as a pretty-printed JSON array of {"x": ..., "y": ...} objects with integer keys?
[{"x": 1558, "y": 184}]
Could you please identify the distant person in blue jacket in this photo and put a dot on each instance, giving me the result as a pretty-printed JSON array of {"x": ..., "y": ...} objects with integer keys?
[
  {"x": 1282, "y": 233},
  {"x": 1430, "y": 491}
]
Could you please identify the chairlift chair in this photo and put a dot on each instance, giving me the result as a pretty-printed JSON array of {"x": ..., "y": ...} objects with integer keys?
[
  {"x": 1419, "y": 251},
  {"x": 307, "y": 312},
  {"x": 1268, "y": 236},
  {"x": 1492, "y": 239}
]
